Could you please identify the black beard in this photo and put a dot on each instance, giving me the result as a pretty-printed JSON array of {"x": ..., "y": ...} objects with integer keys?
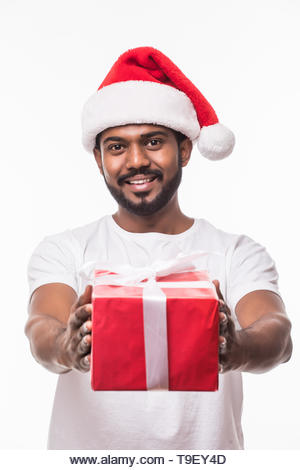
[{"x": 147, "y": 208}]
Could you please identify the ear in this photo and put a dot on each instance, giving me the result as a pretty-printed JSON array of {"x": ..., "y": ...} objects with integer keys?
[
  {"x": 97, "y": 155},
  {"x": 186, "y": 148}
]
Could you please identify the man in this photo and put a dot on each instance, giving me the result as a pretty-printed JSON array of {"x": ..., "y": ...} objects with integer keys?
[{"x": 140, "y": 126}]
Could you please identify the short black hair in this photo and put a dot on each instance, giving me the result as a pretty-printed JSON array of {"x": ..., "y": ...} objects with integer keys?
[{"x": 178, "y": 136}]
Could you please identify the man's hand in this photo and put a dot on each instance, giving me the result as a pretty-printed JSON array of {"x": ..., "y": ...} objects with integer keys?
[
  {"x": 264, "y": 339},
  {"x": 229, "y": 348},
  {"x": 74, "y": 343},
  {"x": 59, "y": 327}
]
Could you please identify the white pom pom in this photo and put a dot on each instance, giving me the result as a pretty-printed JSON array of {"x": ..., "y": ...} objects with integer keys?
[{"x": 215, "y": 142}]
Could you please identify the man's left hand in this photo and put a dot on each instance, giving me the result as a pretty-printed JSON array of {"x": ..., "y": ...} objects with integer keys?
[{"x": 229, "y": 345}]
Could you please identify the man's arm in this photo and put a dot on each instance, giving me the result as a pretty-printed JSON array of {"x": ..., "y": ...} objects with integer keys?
[
  {"x": 59, "y": 327},
  {"x": 264, "y": 340}
]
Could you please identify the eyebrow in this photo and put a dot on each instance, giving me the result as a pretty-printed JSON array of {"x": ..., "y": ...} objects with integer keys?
[
  {"x": 152, "y": 134},
  {"x": 113, "y": 138},
  {"x": 116, "y": 138}
]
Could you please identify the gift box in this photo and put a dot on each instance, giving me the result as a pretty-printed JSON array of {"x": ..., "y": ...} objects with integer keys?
[{"x": 161, "y": 334}]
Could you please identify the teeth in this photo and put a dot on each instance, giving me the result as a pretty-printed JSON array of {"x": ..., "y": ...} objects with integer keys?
[{"x": 140, "y": 181}]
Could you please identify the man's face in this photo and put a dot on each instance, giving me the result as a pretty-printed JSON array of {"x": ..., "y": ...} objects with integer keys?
[{"x": 141, "y": 165}]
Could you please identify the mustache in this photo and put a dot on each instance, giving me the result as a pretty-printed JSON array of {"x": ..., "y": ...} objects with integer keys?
[{"x": 140, "y": 171}]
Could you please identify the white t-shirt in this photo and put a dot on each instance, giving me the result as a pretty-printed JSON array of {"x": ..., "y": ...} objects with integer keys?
[{"x": 85, "y": 419}]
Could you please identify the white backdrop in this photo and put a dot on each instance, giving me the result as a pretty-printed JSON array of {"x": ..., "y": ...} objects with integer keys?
[{"x": 244, "y": 57}]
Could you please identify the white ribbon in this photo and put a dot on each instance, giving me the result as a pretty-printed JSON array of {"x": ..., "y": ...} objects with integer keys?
[
  {"x": 155, "y": 337},
  {"x": 132, "y": 275},
  {"x": 154, "y": 304}
]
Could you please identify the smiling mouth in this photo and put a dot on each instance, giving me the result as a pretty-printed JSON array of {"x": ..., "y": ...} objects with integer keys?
[
  {"x": 139, "y": 181},
  {"x": 142, "y": 183}
]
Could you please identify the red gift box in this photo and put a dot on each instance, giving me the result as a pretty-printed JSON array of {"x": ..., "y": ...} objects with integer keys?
[{"x": 131, "y": 347}]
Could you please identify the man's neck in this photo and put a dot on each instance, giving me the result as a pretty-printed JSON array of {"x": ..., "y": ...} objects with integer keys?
[{"x": 169, "y": 220}]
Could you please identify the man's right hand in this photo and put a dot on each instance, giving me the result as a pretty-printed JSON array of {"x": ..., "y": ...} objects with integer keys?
[
  {"x": 59, "y": 327},
  {"x": 74, "y": 342}
]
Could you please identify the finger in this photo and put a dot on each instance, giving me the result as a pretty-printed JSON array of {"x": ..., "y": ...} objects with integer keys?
[
  {"x": 223, "y": 318},
  {"x": 217, "y": 286},
  {"x": 85, "y": 329},
  {"x": 84, "y": 345},
  {"x": 223, "y": 322},
  {"x": 222, "y": 345},
  {"x": 226, "y": 324},
  {"x": 221, "y": 368},
  {"x": 84, "y": 363},
  {"x": 223, "y": 307},
  {"x": 81, "y": 315},
  {"x": 85, "y": 298}
]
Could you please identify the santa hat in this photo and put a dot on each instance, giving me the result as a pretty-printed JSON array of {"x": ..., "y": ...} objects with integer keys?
[{"x": 146, "y": 87}]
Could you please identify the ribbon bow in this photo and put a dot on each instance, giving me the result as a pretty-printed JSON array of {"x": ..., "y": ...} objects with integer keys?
[{"x": 131, "y": 275}]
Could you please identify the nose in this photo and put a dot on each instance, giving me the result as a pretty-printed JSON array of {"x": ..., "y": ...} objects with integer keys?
[{"x": 136, "y": 157}]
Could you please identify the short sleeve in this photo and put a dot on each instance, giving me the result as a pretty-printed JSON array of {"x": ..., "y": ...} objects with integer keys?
[
  {"x": 251, "y": 268},
  {"x": 52, "y": 261}
]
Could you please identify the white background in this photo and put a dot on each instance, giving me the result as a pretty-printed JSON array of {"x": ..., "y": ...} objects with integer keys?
[{"x": 244, "y": 57}]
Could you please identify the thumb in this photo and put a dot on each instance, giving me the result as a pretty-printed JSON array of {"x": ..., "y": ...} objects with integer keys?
[
  {"x": 86, "y": 297},
  {"x": 217, "y": 286}
]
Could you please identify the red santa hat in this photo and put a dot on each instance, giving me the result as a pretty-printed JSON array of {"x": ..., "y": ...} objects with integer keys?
[{"x": 146, "y": 87}]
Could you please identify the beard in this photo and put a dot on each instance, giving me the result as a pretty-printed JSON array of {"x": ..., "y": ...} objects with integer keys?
[{"x": 144, "y": 208}]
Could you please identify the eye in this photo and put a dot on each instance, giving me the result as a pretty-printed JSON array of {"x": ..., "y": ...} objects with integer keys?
[
  {"x": 115, "y": 147},
  {"x": 153, "y": 142}
]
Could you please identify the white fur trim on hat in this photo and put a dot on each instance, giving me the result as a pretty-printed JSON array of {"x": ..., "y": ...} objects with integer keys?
[
  {"x": 138, "y": 102},
  {"x": 215, "y": 141}
]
